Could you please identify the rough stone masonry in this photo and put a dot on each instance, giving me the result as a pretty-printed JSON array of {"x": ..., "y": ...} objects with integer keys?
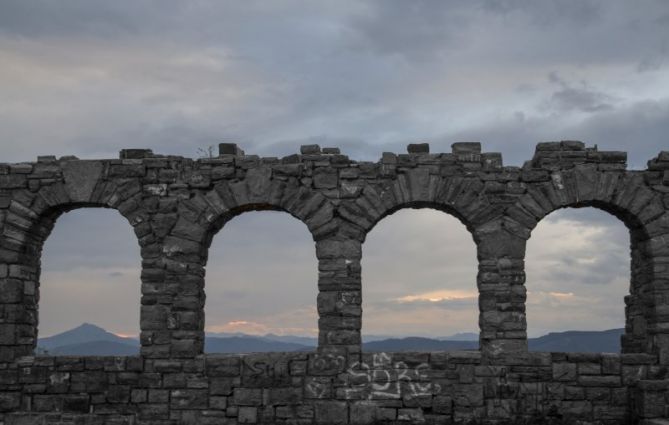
[{"x": 175, "y": 206}]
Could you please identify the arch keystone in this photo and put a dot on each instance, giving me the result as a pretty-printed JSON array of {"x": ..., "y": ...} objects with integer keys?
[{"x": 80, "y": 178}]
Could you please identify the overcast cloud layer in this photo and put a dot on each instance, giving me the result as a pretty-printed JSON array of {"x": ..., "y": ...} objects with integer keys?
[{"x": 89, "y": 78}]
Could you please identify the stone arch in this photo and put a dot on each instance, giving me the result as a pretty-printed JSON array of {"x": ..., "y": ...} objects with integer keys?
[
  {"x": 460, "y": 197},
  {"x": 578, "y": 267},
  {"x": 258, "y": 192},
  {"x": 626, "y": 197},
  {"x": 28, "y": 224},
  {"x": 442, "y": 210},
  {"x": 201, "y": 217},
  {"x": 263, "y": 254}
]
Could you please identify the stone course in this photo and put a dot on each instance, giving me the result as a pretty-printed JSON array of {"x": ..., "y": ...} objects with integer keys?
[{"x": 176, "y": 205}]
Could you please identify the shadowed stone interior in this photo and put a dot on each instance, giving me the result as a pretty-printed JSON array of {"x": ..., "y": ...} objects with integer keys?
[{"x": 176, "y": 205}]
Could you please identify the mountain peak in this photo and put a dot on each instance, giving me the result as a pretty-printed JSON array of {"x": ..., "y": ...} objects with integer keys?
[
  {"x": 85, "y": 332},
  {"x": 89, "y": 326}
]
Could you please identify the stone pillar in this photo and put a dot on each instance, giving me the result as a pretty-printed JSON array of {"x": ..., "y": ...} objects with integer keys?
[
  {"x": 172, "y": 315},
  {"x": 22, "y": 234},
  {"x": 648, "y": 310},
  {"x": 635, "y": 339},
  {"x": 502, "y": 291},
  {"x": 339, "y": 297}
]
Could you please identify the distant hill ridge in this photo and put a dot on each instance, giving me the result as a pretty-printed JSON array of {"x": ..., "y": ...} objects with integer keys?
[{"x": 89, "y": 339}]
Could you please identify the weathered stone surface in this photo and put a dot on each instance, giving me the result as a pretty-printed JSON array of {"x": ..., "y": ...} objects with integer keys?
[
  {"x": 80, "y": 178},
  {"x": 310, "y": 149},
  {"x": 176, "y": 205},
  {"x": 418, "y": 148},
  {"x": 229, "y": 149},
  {"x": 466, "y": 148}
]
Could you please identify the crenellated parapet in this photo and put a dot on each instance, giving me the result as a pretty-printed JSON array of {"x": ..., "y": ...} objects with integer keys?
[
  {"x": 176, "y": 205},
  {"x": 569, "y": 153}
]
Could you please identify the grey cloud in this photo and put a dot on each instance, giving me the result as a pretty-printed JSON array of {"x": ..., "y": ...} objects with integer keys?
[
  {"x": 550, "y": 12},
  {"x": 418, "y": 30},
  {"x": 89, "y": 78},
  {"x": 103, "y": 238},
  {"x": 297, "y": 80},
  {"x": 608, "y": 251},
  {"x": 605, "y": 268},
  {"x": 419, "y": 305},
  {"x": 254, "y": 261},
  {"x": 78, "y": 17},
  {"x": 356, "y": 149},
  {"x": 582, "y": 98},
  {"x": 590, "y": 216},
  {"x": 432, "y": 31},
  {"x": 639, "y": 128}
]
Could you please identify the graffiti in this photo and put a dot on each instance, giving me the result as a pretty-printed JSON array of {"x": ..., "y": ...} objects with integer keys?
[
  {"x": 318, "y": 387},
  {"x": 326, "y": 364},
  {"x": 253, "y": 367},
  {"x": 385, "y": 379}
]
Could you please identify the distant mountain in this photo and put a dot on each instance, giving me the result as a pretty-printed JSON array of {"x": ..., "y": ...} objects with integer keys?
[
  {"x": 223, "y": 334},
  {"x": 370, "y": 338},
  {"x": 302, "y": 340},
  {"x": 95, "y": 348},
  {"x": 579, "y": 341},
  {"x": 89, "y": 339},
  {"x": 249, "y": 344},
  {"x": 569, "y": 341},
  {"x": 80, "y": 339},
  {"x": 461, "y": 336},
  {"x": 414, "y": 343}
]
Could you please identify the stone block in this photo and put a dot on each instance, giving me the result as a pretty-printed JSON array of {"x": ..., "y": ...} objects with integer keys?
[
  {"x": 188, "y": 399},
  {"x": 572, "y": 145},
  {"x": 589, "y": 368},
  {"x": 135, "y": 153},
  {"x": 76, "y": 404},
  {"x": 465, "y": 148},
  {"x": 442, "y": 405},
  {"x": 325, "y": 178},
  {"x": 547, "y": 146},
  {"x": 285, "y": 395},
  {"x": 46, "y": 403},
  {"x": 564, "y": 371},
  {"x": 11, "y": 290},
  {"x": 418, "y": 148},
  {"x": 331, "y": 412},
  {"x": 599, "y": 381},
  {"x": 127, "y": 170},
  {"x": 363, "y": 412},
  {"x": 229, "y": 149},
  {"x": 414, "y": 415},
  {"x": 10, "y": 401},
  {"x": 222, "y": 386},
  {"x": 310, "y": 149},
  {"x": 468, "y": 395},
  {"x": 247, "y": 415},
  {"x": 227, "y": 366},
  {"x": 247, "y": 396},
  {"x": 13, "y": 181},
  {"x": 7, "y": 334}
]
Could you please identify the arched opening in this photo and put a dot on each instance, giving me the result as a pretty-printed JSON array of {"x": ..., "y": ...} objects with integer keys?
[
  {"x": 578, "y": 274},
  {"x": 419, "y": 290},
  {"x": 261, "y": 286},
  {"x": 90, "y": 292}
]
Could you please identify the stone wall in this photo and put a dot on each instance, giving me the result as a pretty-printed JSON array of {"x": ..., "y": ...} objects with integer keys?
[{"x": 175, "y": 206}]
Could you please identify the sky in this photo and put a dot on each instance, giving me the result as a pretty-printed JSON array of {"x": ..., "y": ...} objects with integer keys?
[{"x": 91, "y": 77}]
